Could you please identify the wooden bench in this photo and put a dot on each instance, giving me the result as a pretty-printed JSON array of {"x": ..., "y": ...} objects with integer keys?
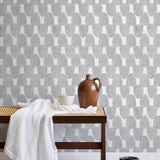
[{"x": 98, "y": 117}]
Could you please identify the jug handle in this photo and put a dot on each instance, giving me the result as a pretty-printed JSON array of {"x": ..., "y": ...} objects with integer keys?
[{"x": 100, "y": 84}]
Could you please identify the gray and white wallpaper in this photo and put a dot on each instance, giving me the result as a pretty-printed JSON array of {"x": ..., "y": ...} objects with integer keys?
[{"x": 48, "y": 46}]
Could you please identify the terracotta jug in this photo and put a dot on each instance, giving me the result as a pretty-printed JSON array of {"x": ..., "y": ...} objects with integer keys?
[{"x": 88, "y": 92}]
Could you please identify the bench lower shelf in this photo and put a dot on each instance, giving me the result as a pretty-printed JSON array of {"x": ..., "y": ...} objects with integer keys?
[{"x": 72, "y": 145}]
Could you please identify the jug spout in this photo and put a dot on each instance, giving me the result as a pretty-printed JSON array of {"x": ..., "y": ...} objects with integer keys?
[{"x": 88, "y": 76}]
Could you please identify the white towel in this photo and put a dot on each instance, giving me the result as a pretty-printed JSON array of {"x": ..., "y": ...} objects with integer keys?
[
  {"x": 59, "y": 129},
  {"x": 30, "y": 134},
  {"x": 73, "y": 108}
]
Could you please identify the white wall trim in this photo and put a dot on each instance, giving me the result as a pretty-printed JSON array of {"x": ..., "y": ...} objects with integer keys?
[
  {"x": 109, "y": 156},
  {"x": 96, "y": 155}
]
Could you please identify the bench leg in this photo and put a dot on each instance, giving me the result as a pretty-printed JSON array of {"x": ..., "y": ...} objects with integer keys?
[{"x": 103, "y": 140}]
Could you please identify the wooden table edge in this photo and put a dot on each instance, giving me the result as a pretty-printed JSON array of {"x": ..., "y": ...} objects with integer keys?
[{"x": 70, "y": 119}]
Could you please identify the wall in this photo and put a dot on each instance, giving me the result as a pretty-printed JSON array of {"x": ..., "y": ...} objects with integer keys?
[{"x": 48, "y": 46}]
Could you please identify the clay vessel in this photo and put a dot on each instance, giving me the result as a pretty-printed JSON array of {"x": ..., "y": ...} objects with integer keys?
[{"x": 88, "y": 92}]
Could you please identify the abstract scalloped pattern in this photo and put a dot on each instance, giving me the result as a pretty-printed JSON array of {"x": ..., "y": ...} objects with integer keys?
[{"x": 48, "y": 46}]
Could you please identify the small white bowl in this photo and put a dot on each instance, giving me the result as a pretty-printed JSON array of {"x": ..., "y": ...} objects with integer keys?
[{"x": 66, "y": 99}]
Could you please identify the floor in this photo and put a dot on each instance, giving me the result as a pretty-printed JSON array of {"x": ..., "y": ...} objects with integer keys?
[{"x": 96, "y": 155}]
